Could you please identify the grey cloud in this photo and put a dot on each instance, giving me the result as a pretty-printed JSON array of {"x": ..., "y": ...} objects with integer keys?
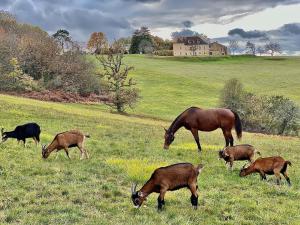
[
  {"x": 187, "y": 23},
  {"x": 184, "y": 33},
  {"x": 121, "y": 17},
  {"x": 293, "y": 28},
  {"x": 246, "y": 34}
]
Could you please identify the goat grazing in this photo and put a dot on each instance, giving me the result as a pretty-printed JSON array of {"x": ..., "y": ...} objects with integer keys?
[
  {"x": 238, "y": 153},
  {"x": 169, "y": 178},
  {"x": 66, "y": 140},
  {"x": 29, "y": 130},
  {"x": 270, "y": 165}
]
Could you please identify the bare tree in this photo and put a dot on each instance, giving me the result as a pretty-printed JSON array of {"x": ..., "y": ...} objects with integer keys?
[
  {"x": 120, "y": 89},
  {"x": 233, "y": 46},
  {"x": 260, "y": 50},
  {"x": 250, "y": 48},
  {"x": 273, "y": 47}
]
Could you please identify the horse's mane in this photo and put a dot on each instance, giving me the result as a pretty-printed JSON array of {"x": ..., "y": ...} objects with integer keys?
[{"x": 177, "y": 118}]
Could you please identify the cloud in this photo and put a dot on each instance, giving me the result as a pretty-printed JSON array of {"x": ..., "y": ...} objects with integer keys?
[
  {"x": 187, "y": 23},
  {"x": 184, "y": 33},
  {"x": 246, "y": 34},
  {"x": 120, "y": 17}
]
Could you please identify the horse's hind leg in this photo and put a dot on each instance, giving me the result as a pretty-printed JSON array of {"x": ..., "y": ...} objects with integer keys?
[
  {"x": 226, "y": 136},
  {"x": 231, "y": 139},
  {"x": 196, "y": 137}
]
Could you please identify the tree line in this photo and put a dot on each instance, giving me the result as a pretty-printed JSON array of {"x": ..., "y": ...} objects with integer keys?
[
  {"x": 270, "y": 47},
  {"x": 141, "y": 42}
]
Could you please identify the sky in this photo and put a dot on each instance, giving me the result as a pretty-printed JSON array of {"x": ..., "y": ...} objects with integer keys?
[{"x": 279, "y": 20}]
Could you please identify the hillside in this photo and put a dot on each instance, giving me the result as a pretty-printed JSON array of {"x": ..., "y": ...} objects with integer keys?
[
  {"x": 125, "y": 149},
  {"x": 169, "y": 85}
]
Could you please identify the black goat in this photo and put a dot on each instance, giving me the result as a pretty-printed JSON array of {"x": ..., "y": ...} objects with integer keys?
[
  {"x": 29, "y": 130},
  {"x": 169, "y": 178}
]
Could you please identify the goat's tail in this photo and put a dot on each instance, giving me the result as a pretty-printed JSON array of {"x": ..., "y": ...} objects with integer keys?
[
  {"x": 288, "y": 163},
  {"x": 199, "y": 168},
  {"x": 87, "y": 135}
]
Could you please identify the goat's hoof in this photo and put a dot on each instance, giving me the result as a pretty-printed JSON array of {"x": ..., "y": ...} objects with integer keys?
[{"x": 195, "y": 207}]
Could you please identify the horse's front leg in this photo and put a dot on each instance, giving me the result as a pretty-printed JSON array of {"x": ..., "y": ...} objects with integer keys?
[{"x": 196, "y": 137}]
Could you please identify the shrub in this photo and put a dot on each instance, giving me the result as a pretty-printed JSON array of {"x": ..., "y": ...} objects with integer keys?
[
  {"x": 120, "y": 88},
  {"x": 16, "y": 80},
  {"x": 266, "y": 114}
]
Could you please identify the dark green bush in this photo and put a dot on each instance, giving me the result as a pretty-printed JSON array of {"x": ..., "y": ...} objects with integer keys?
[{"x": 266, "y": 114}]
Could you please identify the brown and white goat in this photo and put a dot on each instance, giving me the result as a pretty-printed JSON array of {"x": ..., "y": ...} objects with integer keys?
[
  {"x": 270, "y": 165},
  {"x": 66, "y": 140},
  {"x": 238, "y": 153},
  {"x": 169, "y": 178}
]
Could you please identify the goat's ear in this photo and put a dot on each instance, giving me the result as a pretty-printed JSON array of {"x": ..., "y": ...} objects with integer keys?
[
  {"x": 225, "y": 153},
  {"x": 133, "y": 188}
]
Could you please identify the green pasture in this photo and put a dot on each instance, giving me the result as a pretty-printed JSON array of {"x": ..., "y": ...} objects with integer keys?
[{"x": 126, "y": 149}]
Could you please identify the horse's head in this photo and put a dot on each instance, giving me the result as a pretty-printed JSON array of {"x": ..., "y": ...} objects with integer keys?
[{"x": 169, "y": 138}]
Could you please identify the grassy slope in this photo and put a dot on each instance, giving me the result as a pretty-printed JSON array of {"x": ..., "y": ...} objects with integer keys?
[
  {"x": 126, "y": 149},
  {"x": 169, "y": 85}
]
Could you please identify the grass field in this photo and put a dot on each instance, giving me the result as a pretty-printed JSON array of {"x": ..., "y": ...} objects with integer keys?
[
  {"x": 169, "y": 84},
  {"x": 126, "y": 149}
]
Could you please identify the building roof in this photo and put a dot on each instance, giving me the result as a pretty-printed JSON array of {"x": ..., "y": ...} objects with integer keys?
[
  {"x": 194, "y": 40},
  {"x": 216, "y": 43}
]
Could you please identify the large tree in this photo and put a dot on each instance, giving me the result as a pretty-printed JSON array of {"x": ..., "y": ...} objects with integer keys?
[
  {"x": 141, "y": 41},
  {"x": 98, "y": 42},
  {"x": 63, "y": 38},
  {"x": 250, "y": 48},
  {"x": 233, "y": 46},
  {"x": 273, "y": 47}
]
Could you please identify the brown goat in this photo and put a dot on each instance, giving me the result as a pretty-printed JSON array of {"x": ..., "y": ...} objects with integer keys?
[
  {"x": 238, "y": 153},
  {"x": 270, "y": 165},
  {"x": 169, "y": 178},
  {"x": 66, "y": 140}
]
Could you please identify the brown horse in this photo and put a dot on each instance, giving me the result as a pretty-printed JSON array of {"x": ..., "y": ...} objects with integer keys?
[{"x": 195, "y": 119}]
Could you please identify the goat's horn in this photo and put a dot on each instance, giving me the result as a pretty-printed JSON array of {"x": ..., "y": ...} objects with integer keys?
[
  {"x": 244, "y": 166},
  {"x": 133, "y": 188},
  {"x": 2, "y": 130}
]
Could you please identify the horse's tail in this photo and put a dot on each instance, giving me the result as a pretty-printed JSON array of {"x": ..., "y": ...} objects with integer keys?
[{"x": 238, "y": 125}]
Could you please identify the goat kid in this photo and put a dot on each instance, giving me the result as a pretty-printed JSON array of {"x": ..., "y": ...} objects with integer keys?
[
  {"x": 169, "y": 178},
  {"x": 238, "y": 153},
  {"x": 67, "y": 140},
  {"x": 22, "y": 132},
  {"x": 270, "y": 165}
]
